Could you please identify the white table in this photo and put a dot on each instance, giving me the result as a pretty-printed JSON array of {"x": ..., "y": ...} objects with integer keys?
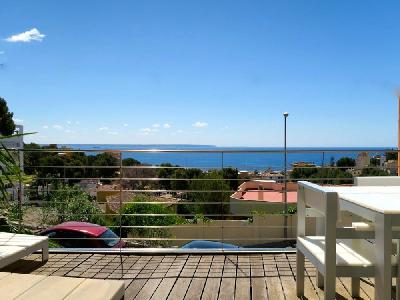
[{"x": 380, "y": 204}]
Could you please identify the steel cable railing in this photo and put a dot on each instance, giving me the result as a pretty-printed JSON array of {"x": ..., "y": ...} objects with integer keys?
[{"x": 159, "y": 207}]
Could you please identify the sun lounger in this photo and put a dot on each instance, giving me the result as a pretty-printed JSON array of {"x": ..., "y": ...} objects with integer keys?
[
  {"x": 16, "y": 246},
  {"x": 32, "y": 287}
]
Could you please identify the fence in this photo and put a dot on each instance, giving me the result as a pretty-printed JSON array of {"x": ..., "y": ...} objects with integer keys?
[{"x": 167, "y": 198}]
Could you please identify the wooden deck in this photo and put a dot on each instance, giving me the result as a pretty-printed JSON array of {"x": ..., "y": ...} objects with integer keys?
[{"x": 251, "y": 276}]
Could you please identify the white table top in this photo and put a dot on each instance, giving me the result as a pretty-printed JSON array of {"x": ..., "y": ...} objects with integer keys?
[{"x": 383, "y": 199}]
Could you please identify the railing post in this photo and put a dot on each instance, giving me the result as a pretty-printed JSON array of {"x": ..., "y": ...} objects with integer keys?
[
  {"x": 20, "y": 192},
  {"x": 222, "y": 200},
  {"x": 120, "y": 195},
  {"x": 120, "y": 212},
  {"x": 286, "y": 179}
]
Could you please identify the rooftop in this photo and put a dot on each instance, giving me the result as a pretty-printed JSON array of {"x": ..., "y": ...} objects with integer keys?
[
  {"x": 269, "y": 196},
  {"x": 188, "y": 276}
]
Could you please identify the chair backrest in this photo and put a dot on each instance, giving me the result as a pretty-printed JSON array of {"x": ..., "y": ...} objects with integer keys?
[
  {"x": 316, "y": 196},
  {"x": 326, "y": 203},
  {"x": 323, "y": 201},
  {"x": 377, "y": 181}
]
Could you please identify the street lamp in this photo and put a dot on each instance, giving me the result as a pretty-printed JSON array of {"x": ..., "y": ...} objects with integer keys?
[{"x": 285, "y": 115}]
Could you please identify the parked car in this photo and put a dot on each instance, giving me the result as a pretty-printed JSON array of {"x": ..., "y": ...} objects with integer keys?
[
  {"x": 204, "y": 244},
  {"x": 83, "y": 235}
]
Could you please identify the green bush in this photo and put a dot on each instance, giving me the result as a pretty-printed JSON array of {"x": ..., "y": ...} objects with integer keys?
[
  {"x": 71, "y": 204},
  {"x": 138, "y": 207},
  {"x": 211, "y": 201}
]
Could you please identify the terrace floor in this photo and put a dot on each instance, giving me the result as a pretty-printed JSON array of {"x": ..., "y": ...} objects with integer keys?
[{"x": 243, "y": 276}]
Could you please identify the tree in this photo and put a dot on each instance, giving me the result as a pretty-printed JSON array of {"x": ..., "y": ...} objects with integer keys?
[
  {"x": 166, "y": 171},
  {"x": 184, "y": 174},
  {"x": 332, "y": 176},
  {"x": 72, "y": 204},
  {"x": 346, "y": 163},
  {"x": 212, "y": 194},
  {"x": 7, "y": 126},
  {"x": 104, "y": 160},
  {"x": 130, "y": 162},
  {"x": 302, "y": 173},
  {"x": 373, "y": 172},
  {"x": 392, "y": 155},
  {"x": 232, "y": 175}
]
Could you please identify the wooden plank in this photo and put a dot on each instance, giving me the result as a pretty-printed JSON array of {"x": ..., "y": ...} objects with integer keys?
[
  {"x": 311, "y": 291},
  {"x": 227, "y": 289},
  {"x": 289, "y": 287},
  {"x": 134, "y": 288},
  {"x": 274, "y": 286},
  {"x": 347, "y": 284},
  {"x": 242, "y": 287},
  {"x": 368, "y": 287},
  {"x": 258, "y": 283},
  {"x": 211, "y": 288},
  {"x": 14, "y": 285},
  {"x": 148, "y": 289},
  {"x": 259, "y": 288},
  {"x": 164, "y": 288},
  {"x": 179, "y": 289},
  {"x": 53, "y": 287},
  {"x": 227, "y": 285},
  {"x": 98, "y": 290},
  {"x": 195, "y": 288},
  {"x": 341, "y": 290}
]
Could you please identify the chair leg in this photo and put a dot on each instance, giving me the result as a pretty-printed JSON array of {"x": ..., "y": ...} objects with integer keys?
[
  {"x": 355, "y": 281},
  {"x": 45, "y": 254},
  {"x": 300, "y": 274},
  {"x": 330, "y": 286},
  {"x": 355, "y": 287},
  {"x": 398, "y": 270},
  {"x": 320, "y": 280}
]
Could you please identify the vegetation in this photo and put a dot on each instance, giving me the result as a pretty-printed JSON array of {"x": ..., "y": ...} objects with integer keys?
[
  {"x": 324, "y": 175},
  {"x": 391, "y": 155},
  {"x": 10, "y": 173},
  {"x": 373, "y": 172},
  {"x": 71, "y": 204},
  {"x": 53, "y": 156},
  {"x": 346, "y": 163},
  {"x": 206, "y": 193},
  {"x": 165, "y": 216},
  {"x": 7, "y": 125}
]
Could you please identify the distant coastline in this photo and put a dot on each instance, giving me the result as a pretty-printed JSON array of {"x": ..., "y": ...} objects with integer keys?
[{"x": 241, "y": 161}]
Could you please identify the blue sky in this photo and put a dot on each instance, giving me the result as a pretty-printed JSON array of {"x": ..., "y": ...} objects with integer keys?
[{"x": 202, "y": 72}]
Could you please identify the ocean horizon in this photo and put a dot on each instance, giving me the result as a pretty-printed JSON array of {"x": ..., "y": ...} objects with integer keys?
[{"x": 241, "y": 161}]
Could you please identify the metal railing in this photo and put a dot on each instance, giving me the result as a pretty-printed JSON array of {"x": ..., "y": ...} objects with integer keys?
[{"x": 147, "y": 204}]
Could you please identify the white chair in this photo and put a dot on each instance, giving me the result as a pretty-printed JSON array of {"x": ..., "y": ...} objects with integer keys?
[
  {"x": 333, "y": 257},
  {"x": 16, "y": 246}
]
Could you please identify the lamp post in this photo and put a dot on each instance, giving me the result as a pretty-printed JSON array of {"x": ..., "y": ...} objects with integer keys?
[
  {"x": 398, "y": 135},
  {"x": 285, "y": 115}
]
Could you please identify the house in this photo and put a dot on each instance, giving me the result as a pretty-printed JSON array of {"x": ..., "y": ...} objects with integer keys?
[{"x": 262, "y": 196}]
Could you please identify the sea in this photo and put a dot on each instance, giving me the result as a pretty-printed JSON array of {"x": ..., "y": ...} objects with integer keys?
[{"x": 250, "y": 161}]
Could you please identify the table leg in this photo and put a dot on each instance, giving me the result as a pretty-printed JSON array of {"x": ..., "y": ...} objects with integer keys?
[{"x": 383, "y": 248}]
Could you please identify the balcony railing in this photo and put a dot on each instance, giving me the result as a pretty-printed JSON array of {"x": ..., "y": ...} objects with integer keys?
[{"x": 164, "y": 199}]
